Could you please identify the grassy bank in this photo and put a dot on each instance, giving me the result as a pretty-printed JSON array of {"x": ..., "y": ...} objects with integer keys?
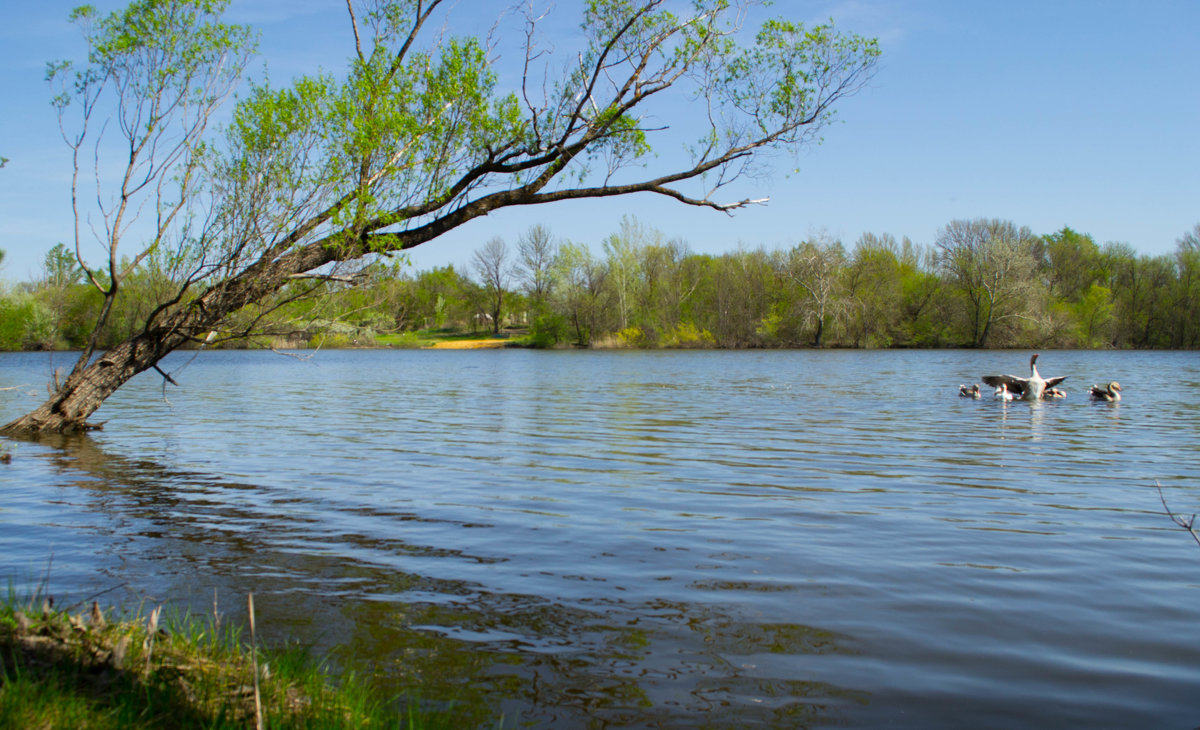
[
  {"x": 454, "y": 340},
  {"x": 82, "y": 669}
]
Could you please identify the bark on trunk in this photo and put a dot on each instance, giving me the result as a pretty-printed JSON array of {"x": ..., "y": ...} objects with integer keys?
[
  {"x": 68, "y": 409},
  {"x": 76, "y": 400}
]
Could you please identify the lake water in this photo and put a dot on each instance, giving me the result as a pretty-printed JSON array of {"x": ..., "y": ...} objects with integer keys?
[{"x": 667, "y": 539}]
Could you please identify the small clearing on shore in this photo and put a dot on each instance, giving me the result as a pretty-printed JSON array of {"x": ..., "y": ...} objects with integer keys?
[{"x": 468, "y": 344}]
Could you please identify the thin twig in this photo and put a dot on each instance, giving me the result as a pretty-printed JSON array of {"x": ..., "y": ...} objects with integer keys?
[
  {"x": 166, "y": 376},
  {"x": 93, "y": 597},
  {"x": 302, "y": 358},
  {"x": 1187, "y": 524},
  {"x": 258, "y": 720},
  {"x": 326, "y": 277},
  {"x": 44, "y": 585}
]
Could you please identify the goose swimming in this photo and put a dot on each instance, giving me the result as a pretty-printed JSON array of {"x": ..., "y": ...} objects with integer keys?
[
  {"x": 971, "y": 392},
  {"x": 1054, "y": 393},
  {"x": 1003, "y": 394},
  {"x": 1031, "y": 388},
  {"x": 1109, "y": 392}
]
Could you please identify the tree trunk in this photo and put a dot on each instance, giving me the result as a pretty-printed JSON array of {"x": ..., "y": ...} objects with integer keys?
[
  {"x": 987, "y": 328},
  {"x": 69, "y": 407},
  {"x": 76, "y": 400}
]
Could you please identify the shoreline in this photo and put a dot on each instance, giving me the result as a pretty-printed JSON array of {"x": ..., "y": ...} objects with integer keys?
[
  {"x": 487, "y": 344},
  {"x": 96, "y": 669}
]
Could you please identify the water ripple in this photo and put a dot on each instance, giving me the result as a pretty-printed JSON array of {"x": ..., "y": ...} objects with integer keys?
[{"x": 663, "y": 539}]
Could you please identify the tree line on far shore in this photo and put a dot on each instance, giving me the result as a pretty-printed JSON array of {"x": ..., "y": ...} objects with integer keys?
[{"x": 981, "y": 283}]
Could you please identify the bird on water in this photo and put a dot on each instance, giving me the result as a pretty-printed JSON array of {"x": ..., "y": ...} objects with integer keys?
[
  {"x": 1031, "y": 388},
  {"x": 1109, "y": 392}
]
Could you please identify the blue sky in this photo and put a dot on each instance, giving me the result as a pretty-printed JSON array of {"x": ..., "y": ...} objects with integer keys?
[{"x": 1046, "y": 113}]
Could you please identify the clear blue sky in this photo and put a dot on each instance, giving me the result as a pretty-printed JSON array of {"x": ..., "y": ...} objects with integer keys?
[{"x": 1048, "y": 113}]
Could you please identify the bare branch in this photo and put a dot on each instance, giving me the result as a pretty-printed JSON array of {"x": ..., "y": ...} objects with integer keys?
[
  {"x": 325, "y": 278},
  {"x": 1187, "y": 524},
  {"x": 354, "y": 26}
]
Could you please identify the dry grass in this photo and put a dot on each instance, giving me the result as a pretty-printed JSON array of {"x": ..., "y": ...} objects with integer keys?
[
  {"x": 61, "y": 670},
  {"x": 488, "y": 344}
]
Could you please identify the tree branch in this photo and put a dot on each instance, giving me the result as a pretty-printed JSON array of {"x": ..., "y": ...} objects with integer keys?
[
  {"x": 1187, "y": 524},
  {"x": 354, "y": 27}
]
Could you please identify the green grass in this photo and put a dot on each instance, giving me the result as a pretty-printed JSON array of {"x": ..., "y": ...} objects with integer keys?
[
  {"x": 60, "y": 670},
  {"x": 429, "y": 337},
  {"x": 406, "y": 340}
]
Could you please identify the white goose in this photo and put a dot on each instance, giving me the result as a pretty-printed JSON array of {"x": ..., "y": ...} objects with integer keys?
[
  {"x": 1110, "y": 392},
  {"x": 1002, "y": 392},
  {"x": 1031, "y": 388}
]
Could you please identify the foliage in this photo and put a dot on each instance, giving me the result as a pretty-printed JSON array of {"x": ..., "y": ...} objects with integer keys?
[
  {"x": 632, "y": 337},
  {"x": 14, "y": 317},
  {"x": 155, "y": 73},
  {"x": 883, "y": 292},
  {"x": 315, "y": 179},
  {"x": 990, "y": 265},
  {"x": 688, "y": 335},
  {"x": 549, "y": 330},
  {"x": 814, "y": 268}
]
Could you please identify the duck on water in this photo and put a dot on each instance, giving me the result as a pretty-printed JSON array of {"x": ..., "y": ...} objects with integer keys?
[
  {"x": 1108, "y": 392},
  {"x": 1032, "y": 388}
]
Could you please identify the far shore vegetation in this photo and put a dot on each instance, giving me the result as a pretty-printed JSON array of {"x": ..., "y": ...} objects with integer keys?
[{"x": 981, "y": 283}]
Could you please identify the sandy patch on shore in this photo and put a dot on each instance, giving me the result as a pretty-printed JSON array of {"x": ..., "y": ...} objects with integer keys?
[{"x": 468, "y": 344}]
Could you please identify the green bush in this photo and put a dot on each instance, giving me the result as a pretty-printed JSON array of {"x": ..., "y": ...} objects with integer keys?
[
  {"x": 632, "y": 337},
  {"x": 548, "y": 330},
  {"x": 12, "y": 324},
  {"x": 687, "y": 334}
]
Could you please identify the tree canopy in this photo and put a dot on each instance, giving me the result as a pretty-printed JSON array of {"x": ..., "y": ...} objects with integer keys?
[
  {"x": 647, "y": 289},
  {"x": 313, "y": 179}
]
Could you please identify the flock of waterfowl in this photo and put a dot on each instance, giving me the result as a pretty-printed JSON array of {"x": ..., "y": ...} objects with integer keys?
[{"x": 1035, "y": 387}]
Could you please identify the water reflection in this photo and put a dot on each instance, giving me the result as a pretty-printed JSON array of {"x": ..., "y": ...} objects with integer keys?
[
  {"x": 456, "y": 645},
  {"x": 1111, "y": 409}
]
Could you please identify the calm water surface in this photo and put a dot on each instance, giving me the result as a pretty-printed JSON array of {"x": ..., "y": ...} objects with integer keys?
[{"x": 629, "y": 539}]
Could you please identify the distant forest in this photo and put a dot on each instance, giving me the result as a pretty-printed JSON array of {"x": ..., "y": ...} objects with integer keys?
[{"x": 981, "y": 283}]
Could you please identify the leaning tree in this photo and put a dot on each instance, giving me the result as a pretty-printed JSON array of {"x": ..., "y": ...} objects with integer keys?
[{"x": 311, "y": 180}]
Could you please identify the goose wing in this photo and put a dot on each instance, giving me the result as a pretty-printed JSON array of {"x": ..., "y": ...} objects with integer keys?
[
  {"x": 1015, "y": 384},
  {"x": 1051, "y": 382}
]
